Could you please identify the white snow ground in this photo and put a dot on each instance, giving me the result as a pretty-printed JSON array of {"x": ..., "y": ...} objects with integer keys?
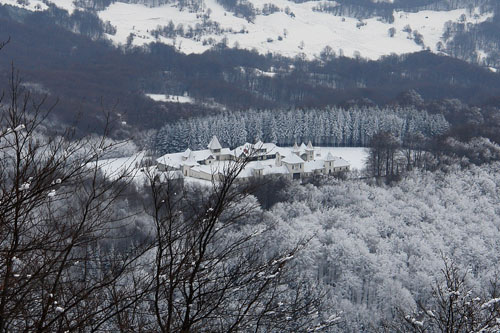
[
  {"x": 33, "y": 5},
  {"x": 305, "y": 34},
  {"x": 356, "y": 156},
  {"x": 114, "y": 168},
  {"x": 170, "y": 98}
]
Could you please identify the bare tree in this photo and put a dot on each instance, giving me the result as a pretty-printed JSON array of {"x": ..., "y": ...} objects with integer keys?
[
  {"x": 58, "y": 271},
  {"x": 382, "y": 159},
  {"x": 3, "y": 43},
  {"x": 214, "y": 271},
  {"x": 210, "y": 264},
  {"x": 413, "y": 149}
]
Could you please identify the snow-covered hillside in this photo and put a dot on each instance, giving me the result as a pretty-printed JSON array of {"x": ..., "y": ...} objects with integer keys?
[
  {"x": 302, "y": 31},
  {"x": 291, "y": 29}
]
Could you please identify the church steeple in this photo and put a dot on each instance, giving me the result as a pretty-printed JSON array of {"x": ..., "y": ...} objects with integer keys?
[
  {"x": 214, "y": 145},
  {"x": 310, "y": 151}
]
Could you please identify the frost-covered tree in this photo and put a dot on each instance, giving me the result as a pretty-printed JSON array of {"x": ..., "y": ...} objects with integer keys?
[
  {"x": 330, "y": 127},
  {"x": 378, "y": 249},
  {"x": 455, "y": 306}
]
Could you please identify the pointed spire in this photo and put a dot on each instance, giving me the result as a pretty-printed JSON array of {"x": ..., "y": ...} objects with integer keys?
[
  {"x": 214, "y": 144},
  {"x": 295, "y": 147},
  {"x": 309, "y": 145},
  {"x": 187, "y": 153},
  {"x": 329, "y": 157}
]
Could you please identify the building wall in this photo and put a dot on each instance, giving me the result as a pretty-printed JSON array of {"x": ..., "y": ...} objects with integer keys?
[
  {"x": 226, "y": 157},
  {"x": 310, "y": 155},
  {"x": 295, "y": 168},
  {"x": 186, "y": 171},
  {"x": 200, "y": 175},
  {"x": 329, "y": 168}
]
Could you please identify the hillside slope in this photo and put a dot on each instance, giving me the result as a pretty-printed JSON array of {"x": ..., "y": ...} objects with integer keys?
[{"x": 308, "y": 29}]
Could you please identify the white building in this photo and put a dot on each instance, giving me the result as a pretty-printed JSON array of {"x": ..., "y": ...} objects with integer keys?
[{"x": 265, "y": 159}]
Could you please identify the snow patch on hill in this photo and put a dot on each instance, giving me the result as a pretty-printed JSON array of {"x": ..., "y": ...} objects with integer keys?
[
  {"x": 68, "y": 5},
  {"x": 356, "y": 156},
  {"x": 32, "y": 5},
  {"x": 170, "y": 98}
]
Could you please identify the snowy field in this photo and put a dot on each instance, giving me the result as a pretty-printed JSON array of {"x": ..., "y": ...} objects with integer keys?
[
  {"x": 32, "y": 5},
  {"x": 305, "y": 33},
  {"x": 308, "y": 32},
  {"x": 114, "y": 168},
  {"x": 170, "y": 98},
  {"x": 356, "y": 156}
]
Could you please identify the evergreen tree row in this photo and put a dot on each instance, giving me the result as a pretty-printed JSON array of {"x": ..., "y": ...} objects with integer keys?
[{"x": 328, "y": 127}]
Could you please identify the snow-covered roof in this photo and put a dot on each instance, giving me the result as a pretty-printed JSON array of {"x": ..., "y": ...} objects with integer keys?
[
  {"x": 310, "y": 166},
  {"x": 340, "y": 162},
  {"x": 190, "y": 162},
  {"x": 309, "y": 146},
  {"x": 282, "y": 151},
  {"x": 175, "y": 160},
  {"x": 208, "y": 169},
  {"x": 292, "y": 159},
  {"x": 170, "y": 161},
  {"x": 247, "y": 148},
  {"x": 270, "y": 147},
  {"x": 273, "y": 170},
  {"x": 226, "y": 151},
  {"x": 244, "y": 149},
  {"x": 295, "y": 147},
  {"x": 214, "y": 143},
  {"x": 329, "y": 157},
  {"x": 201, "y": 155},
  {"x": 303, "y": 146},
  {"x": 187, "y": 153}
]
